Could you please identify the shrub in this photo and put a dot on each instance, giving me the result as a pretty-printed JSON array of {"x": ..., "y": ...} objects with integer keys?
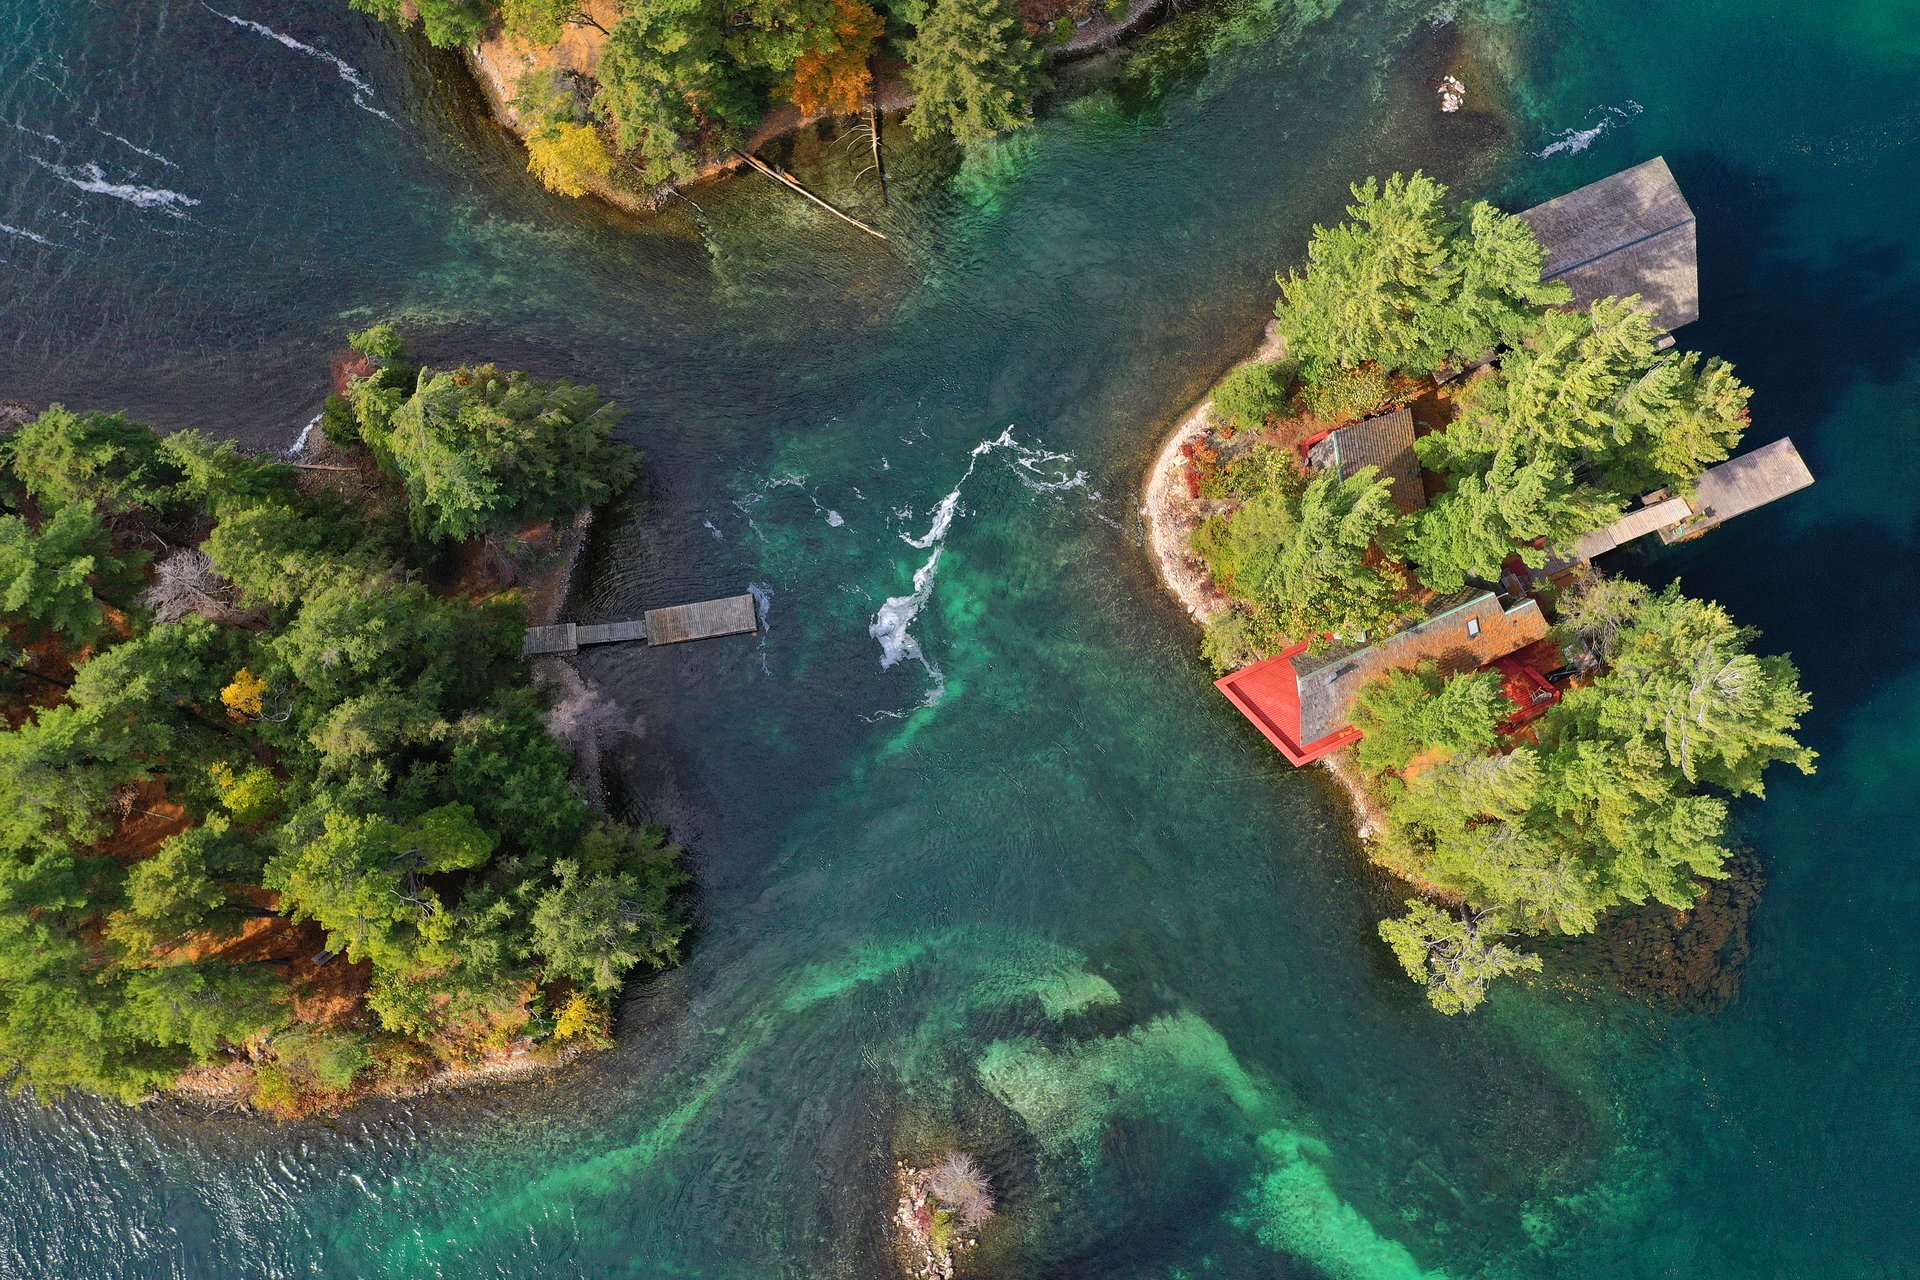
[
  {"x": 1229, "y": 641},
  {"x": 1252, "y": 393},
  {"x": 1346, "y": 394},
  {"x": 569, "y": 158},
  {"x": 959, "y": 1186},
  {"x": 582, "y": 1017}
]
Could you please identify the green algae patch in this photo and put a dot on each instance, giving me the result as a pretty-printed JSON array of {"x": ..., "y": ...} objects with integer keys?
[
  {"x": 1180, "y": 1069},
  {"x": 1294, "y": 1209}
]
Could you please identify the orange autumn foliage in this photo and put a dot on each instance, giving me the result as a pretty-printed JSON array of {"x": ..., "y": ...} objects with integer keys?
[{"x": 836, "y": 79}]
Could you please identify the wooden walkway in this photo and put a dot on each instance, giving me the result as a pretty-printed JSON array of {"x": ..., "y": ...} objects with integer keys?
[{"x": 732, "y": 616}]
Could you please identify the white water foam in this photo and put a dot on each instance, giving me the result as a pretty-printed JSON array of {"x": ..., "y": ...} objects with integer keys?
[
  {"x": 93, "y": 179},
  {"x": 299, "y": 445},
  {"x": 713, "y": 528},
  {"x": 35, "y": 133},
  {"x": 763, "y": 604},
  {"x": 131, "y": 145},
  {"x": 362, "y": 91},
  {"x": 1040, "y": 470},
  {"x": 25, "y": 234},
  {"x": 1571, "y": 142}
]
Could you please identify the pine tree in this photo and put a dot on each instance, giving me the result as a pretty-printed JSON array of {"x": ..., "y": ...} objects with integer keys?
[
  {"x": 973, "y": 71},
  {"x": 1373, "y": 283},
  {"x": 668, "y": 81},
  {"x": 1453, "y": 957}
]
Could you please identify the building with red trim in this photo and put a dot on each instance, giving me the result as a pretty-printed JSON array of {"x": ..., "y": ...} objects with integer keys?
[{"x": 1303, "y": 703}]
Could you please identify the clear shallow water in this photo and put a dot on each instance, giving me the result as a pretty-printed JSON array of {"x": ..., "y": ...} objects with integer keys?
[{"x": 1034, "y": 890}]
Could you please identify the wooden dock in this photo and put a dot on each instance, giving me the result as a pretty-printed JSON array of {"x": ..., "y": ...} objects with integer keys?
[
  {"x": 1740, "y": 485},
  {"x": 732, "y": 616}
]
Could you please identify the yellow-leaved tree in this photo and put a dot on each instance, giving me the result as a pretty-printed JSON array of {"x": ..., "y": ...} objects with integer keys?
[{"x": 568, "y": 158}]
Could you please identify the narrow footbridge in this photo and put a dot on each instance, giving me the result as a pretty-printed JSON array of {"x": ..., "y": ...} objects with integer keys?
[{"x": 732, "y": 616}]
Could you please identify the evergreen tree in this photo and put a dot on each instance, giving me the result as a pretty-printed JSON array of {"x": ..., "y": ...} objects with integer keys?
[
  {"x": 1682, "y": 676},
  {"x": 1372, "y": 283},
  {"x": 1468, "y": 532},
  {"x": 1406, "y": 713},
  {"x": 668, "y": 82},
  {"x": 99, "y": 460},
  {"x": 608, "y": 910},
  {"x": 480, "y": 449},
  {"x": 46, "y": 574},
  {"x": 1307, "y": 565},
  {"x": 545, "y": 21},
  {"x": 447, "y": 23},
  {"x": 1453, "y": 957},
  {"x": 170, "y": 893},
  {"x": 973, "y": 70}
]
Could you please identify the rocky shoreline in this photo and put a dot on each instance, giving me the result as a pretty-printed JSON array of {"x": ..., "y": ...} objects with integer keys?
[{"x": 1171, "y": 515}]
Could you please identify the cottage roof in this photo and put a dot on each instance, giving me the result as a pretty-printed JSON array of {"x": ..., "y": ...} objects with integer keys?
[
  {"x": 1304, "y": 704},
  {"x": 1385, "y": 443},
  {"x": 1632, "y": 233},
  {"x": 1463, "y": 632}
]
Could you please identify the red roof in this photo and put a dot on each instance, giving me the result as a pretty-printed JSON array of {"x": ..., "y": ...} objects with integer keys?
[
  {"x": 1302, "y": 703},
  {"x": 1268, "y": 693}
]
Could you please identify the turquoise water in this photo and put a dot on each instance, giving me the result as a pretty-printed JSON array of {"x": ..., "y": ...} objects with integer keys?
[{"x": 1032, "y": 888}]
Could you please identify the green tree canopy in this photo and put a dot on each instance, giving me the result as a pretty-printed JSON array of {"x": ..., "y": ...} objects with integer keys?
[
  {"x": 1405, "y": 713},
  {"x": 47, "y": 575},
  {"x": 1454, "y": 957},
  {"x": 609, "y": 909},
  {"x": 100, "y": 460},
  {"x": 973, "y": 70},
  {"x": 1403, "y": 285},
  {"x": 1305, "y": 560},
  {"x": 1682, "y": 676},
  {"x": 1253, "y": 392},
  {"x": 480, "y": 449},
  {"x": 447, "y": 23},
  {"x": 672, "y": 88},
  {"x": 1468, "y": 532}
]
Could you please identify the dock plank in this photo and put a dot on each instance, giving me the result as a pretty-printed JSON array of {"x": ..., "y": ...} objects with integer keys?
[
  {"x": 1742, "y": 484},
  {"x": 676, "y": 624},
  {"x": 612, "y": 632},
  {"x": 560, "y": 638}
]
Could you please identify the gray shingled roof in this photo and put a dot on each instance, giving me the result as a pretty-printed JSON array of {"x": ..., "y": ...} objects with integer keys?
[
  {"x": 1632, "y": 233},
  {"x": 1331, "y": 681},
  {"x": 1385, "y": 443}
]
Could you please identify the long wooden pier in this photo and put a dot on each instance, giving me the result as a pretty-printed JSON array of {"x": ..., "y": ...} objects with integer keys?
[{"x": 677, "y": 624}]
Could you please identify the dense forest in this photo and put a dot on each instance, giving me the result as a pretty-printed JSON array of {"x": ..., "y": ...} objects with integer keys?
[
  {"x": 278, "y": 803},
  {"x": 677, "y": 82},
  {"x": 1543, "y": 422}
]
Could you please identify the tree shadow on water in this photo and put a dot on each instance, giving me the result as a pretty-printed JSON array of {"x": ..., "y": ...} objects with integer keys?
[{"x": 1806, "y": 324}]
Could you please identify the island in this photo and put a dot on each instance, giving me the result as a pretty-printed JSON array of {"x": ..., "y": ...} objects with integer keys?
[
  {"x": 284, "y": 822},
  {"x": 629, "y": 101},
  {"x": 1387, "y": 522}
]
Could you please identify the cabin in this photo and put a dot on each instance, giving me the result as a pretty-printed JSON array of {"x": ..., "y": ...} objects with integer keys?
[
  {"x": 1384, "y": 443},
  {"x": 1303, "y": 703},
  {"x": 1630, "y": 234}
]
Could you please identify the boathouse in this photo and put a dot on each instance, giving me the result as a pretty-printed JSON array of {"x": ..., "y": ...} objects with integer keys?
[
  {"x": 1384, "y": 443},
  {"x": 1632, "y": 233},
  {"x": 1303, "y": 703}
]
